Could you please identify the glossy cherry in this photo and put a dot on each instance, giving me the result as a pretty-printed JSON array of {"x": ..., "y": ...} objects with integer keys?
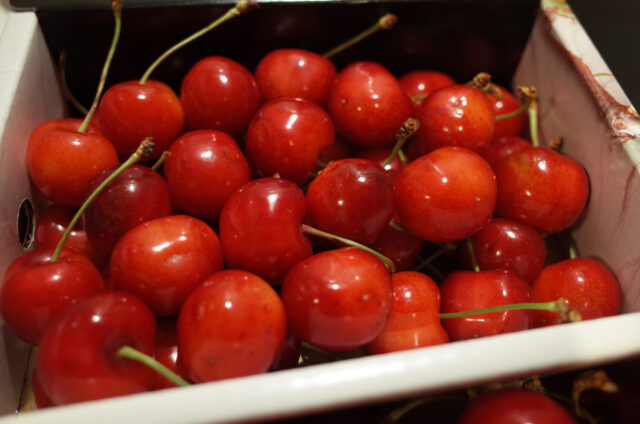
[
  {"x": 446, "y": 195},
  {"x": 414, "y": 318},
  {"x": 286, "y": 136},
  {"x": 220, "y": 94},
  {"x": 380, "y": 156},
  {"x": 585, "y": 283},
  {"x": 338, "y": 299},
  {"x": 161, "y": 261},
  {"x": 295, "y": 73},
  {"x": 501, "y": 147},
  {"x": 470, "y": 290},
  {"x": 77, "y": 359},
  {"x": 260, "y": 228},
  {"x": 367, "y": 104},
  {"x": 402, "y": 247},
  {"x": 418, "y": 84},
  {"x": 505, "y": 102},
  {"x": 232, "y": 325},
  {"x": 204, "y": 169}
]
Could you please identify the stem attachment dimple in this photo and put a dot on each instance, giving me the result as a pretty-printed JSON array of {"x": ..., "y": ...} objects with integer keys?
[
  {"x": 135, "y": 355},
  {"x": 387, "y": 21}
]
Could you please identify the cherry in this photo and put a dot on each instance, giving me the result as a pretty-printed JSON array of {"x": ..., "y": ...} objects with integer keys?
[
  {"x": 289, "y": 354},
  {"x": 501, "y": 147},
  {"x": 368, "y": 105},
  {"x": 295, "y": 73},
  {"x": 166, "y": 350},
  {"x": 286, "y": 136},
  {"x": 51, "y": 225},
  {"x": 380, "y": 155},
  {"x": 446, "y": 195},
  {"x": 232, "y": 325},
  {"x": 40, "y": 397},
  {"x": 401, "y": 247},
  {"x": 585, "y": 283},
  {"x": 77, "y": 357},
  {"x": 340, "y": 149},
  {"x": 507, "y": 244},
  {"x": 413, "y": 321},
  {"x": 503, "y": 103},
  {"x": 542, "y": 188},
  {"x": 162, "y": 260},
  {"x": 260, "y": 228},
  {"x": 135, "y": 196},
  {"x": 470, "y": 290},
  {"x": 352, "y": 198},
  {"x": 204, "y": 169},
  {"x": 36, "y": 290},
  {"x": 515, "y": 406},
  {"x": 221, "y": 94},
  {"x": 338, "y": 299},
  {"x": 418, "y": 84},
  {"x": 456, "y": 115}
]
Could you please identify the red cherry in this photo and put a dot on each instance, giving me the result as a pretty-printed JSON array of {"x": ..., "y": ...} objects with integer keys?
[
  {"x": 232, "y": 325},
  {"x": 380, "y": 156},
  {"x": 40, "y": 397},
  {"x": 135, "y": 196},
  {"x": 204, "y": 169},
  {"x": 507, "y": 244},
  {"x": 414, "y": 318},
  {"x": 446, "y": 195},
  {"x": 286, "y": 136},
  {"x": 129, "y": 112},
  {"x": 162, "y": 260},
  {"x": 35, "y": 290},
  {"x": 340, "y": 149},
  {"x": 77, "y": 359},
  {"x": 219, "y": 94},
  {"x": 585, "y": 283},
  {"x": 541, "y": 188},
  {"x": 338, "y": 299},
  {"x": 52, "y": 223},
  {"x": 513, "y": 126},
  {"x": 260, "y": 228},
  {"x": 501, "y": 147},
  {"x": 295, "y": 73},
  {"x": 367, "y": 105},
  {"x": 352, "y": 198},
  {"x": 470, "y": 290},
  {"x": 456, "y": 115},
  {"x": 166, "y": 351},
  {"x": 289, "y": 354},
  {"x": 401, "y": 247},
  {"x": 418, "y": 84}
]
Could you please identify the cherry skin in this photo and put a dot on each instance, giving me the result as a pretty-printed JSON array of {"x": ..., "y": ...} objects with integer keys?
[
  {"x": 35, "y": 290},
  {"x": 77, "y": 358},
  {"x": 501, "y": 147},
  {"x": 289, "y": 354},
  {"x": 401, "y": 247},
  {"x": 470, "y": 290},
  {"x": 286, "y": 136},
  {"x": 232, "y": 325},
  {"x": 295, "y": 73},
  {"x": 219, "y": 94},
  {"x": 166, "y": 351},
  {"x": 260, "y": 228},
  {"x": 418, "y": 84},
  {"x": 507, "y": 244},
  {"x": 129, "y": 112},
  {"x": 380, "y": 156},
  {"x": 352, "y": 198},
  {"x": 513, "y": 126},
  {"x": 515, "y": 406},
  {"x": 338, "y": 299},
  {"x": 542, "y": 188},
  {"x": 368, "y": 105},
  {"x": 340, "y": 149},
  {"x": 51, "y": 225},
  {"x": 204, "y": 169},
  {"x": 585, "y": 283},
  {"x": 414, "y": 318},
  {"x": 135, "y": 196},
  {"x": 40, "y": 397},
  {"x": 446, "y": 195},
  {"x": 161, "y": 261},
  {"x": 62, "y": 162},
  {"x": 456, "y": 115}
]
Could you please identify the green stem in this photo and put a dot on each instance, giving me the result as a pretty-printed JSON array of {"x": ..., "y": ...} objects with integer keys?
[
  {"x": 533, "y": 122},
  {"x": 135, "y": 355},
  {"x": 408, "y": 129},
  {"x": 241, "y": 7},
  {"x": 328, "y": 236},
  {"x": 403, "y": 158},
  {"x": 388, "y": 21},
  {"x": 116, "y": 6},
  {"x": 559, "y": 306},
  {"x": 472, "y": 255},
  {"x": 162, "y": 159},
  {"x": 144, "y": 148},
  {"x": 521, "y": 109}
]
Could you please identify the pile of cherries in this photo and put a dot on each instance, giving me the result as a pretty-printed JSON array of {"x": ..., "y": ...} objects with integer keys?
[{"x": 284, "y": 215}]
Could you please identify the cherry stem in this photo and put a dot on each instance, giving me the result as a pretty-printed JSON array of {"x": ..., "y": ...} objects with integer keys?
[
  {"x": 393, "y": 224},
  {"x": 135, "y": 355},
  {"x": 482, "y": 82},
  {"x": 333, "y": 237},
  {"x": 532, "y": 95},
  {"x": 590, "y": 380},
  {"x": 408, "y": 129},
  {"x": 560, "y": 306},
  {"x": 387, "y": 21},
  {"x": 435, "y": 255},
  {"x": 403, "y": 158},
  {"x": 62, "y": 64},
  {"x": 241, "y": 7},
  {"x": 143, "y": 149},
  {"x": 520, "y": 110},
  {"x": 116, "y": 6},
  {"x": 161, "y": 160},
  {"x": 472, "y": 255}
]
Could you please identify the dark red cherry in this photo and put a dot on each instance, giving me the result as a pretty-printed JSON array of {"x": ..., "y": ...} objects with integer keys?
[
  {"x": 507, "y": 103},
  {"x": 501, "y": 147},
  {"x": 418, "y": 85}
]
